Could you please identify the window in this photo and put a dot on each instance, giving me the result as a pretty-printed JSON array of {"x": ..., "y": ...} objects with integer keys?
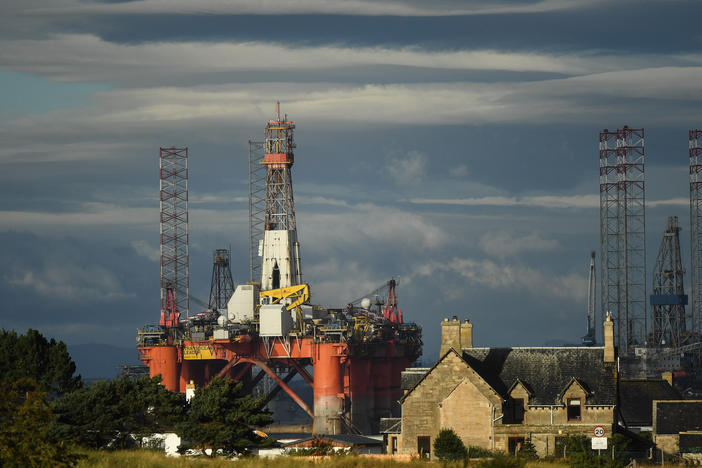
[
  {"x": 574, "y": 409},
  {"x": 514, "y": 444},
  {"x": 424, "y": 446},
  {"x": 393, "y": 445},
  {"x": 518, "y": 410}
]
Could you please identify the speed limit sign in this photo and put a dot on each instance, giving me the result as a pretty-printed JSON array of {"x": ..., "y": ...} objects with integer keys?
[{"x": 599, "y": 431}]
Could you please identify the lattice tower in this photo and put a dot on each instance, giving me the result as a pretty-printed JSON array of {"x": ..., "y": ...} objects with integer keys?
[
  {"x": 222, "y": 285},
  {"x": 280, "y": 249},
  {"x": 695, "y": 142},
  {"x": 257, "y": 206},
  {"x": 623, "y": 234},
  {"x": 279, "y": 158},
  {"x": 669, "y": 325},
  {"x": 175, "y": 268}
]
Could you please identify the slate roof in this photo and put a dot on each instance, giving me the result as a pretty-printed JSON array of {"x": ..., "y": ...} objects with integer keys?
[
  {"x": 390, "y": 425},
  {"x": 673, "y": 417},
  {"x": 636, "y": 399},
  {"x": 410, "y": 377},
  {"x": 546, "y": 371}
]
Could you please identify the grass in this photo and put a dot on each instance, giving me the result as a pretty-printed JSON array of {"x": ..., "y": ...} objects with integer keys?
[{"x": 153, "y": 459}]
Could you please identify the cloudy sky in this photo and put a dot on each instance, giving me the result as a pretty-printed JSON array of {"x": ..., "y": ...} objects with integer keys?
[{"x": 450, "y": 143}]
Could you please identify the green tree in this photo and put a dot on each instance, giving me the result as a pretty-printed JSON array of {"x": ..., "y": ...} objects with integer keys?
[
  {"x": 108, "y": 413},
  {"x": 448, "y": 446},
  {"x": 32, "y": 356},
  {"x": 220, "y": 418},
  {"x": 527, "y": 451},
  {"x": 24, "y": 418}
]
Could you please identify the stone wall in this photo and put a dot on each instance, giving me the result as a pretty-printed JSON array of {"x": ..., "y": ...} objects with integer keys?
[
  {"x": 590, "y": 415},
  {"x": 668, "y": 443},
  {"x": 452, "y": 395},
  {"x": 468, "y": 412}
]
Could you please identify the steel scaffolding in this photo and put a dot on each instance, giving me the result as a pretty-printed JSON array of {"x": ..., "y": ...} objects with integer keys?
[
  {"x": 257, "y": 206},
  {"x": 695, "y": 143},
  {"x": 669, "y": 325},
  {"x": 279, "y": 146},
  {"x": 222, "y": 285},
  {"x": 175, "y": 268},
  {"x": 623, "y": 234}
]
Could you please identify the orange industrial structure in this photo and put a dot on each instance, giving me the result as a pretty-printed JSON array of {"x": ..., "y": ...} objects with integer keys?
[{"x": 357, "y": 353}]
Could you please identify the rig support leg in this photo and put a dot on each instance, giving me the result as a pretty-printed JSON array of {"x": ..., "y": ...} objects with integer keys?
[
  {"x": 164, "y": 362},
  {"x": 277, "y": 389},
  {"x": 301, "y": 370},
  {"x": 233, "y": 362},
  {"x": 328, "y": 389},
  {"x": 282, "y": 385},
  {"x": 362, "y": 396}
]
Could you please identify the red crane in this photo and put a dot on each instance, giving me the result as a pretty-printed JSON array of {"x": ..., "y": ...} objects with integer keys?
[
  {"x": 170, "y": 317},
  {"x": 390, "y": 310}
]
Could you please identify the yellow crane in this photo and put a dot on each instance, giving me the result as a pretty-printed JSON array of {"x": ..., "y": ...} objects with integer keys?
[{"x": 296, "y": 296}]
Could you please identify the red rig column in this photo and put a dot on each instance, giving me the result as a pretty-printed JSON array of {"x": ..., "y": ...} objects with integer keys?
[
  {"x": 164, "y": 361},
  {"x": 381, "y": 383},
  {"x": 362, "y": 399},
  {"x": 328, "y": 389}
]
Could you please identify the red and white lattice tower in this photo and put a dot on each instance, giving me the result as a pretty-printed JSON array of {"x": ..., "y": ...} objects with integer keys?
[
  {"x": 175, "y": 269},
  {"x": 280, "y": 250},
  {"x": 695, "y": 137},
  {"x": 623, "y": 234}
]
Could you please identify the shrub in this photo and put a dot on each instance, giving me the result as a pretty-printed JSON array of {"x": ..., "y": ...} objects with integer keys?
[
  {"x": 448, "y": 446},
  {"x": 527, "y": 451},
  {"x": 475, "y": 451}
]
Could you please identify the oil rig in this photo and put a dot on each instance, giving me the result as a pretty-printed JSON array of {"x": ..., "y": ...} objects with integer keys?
[
  {"x": 669, "y": 340},
  {"x": 268, "y": 326}
]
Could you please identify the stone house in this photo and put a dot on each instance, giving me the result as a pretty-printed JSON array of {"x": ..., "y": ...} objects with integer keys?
[
  {"x": 677, "y": 424},
  {"x": 498, "y": 398},
  {"x": 636, "y": 397}
]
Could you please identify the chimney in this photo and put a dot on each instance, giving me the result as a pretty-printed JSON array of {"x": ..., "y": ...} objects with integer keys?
[
  {"x": 467, "y": 334},
  {"x": 450, "y": 335},
  {"x": 608, "y": 339}
]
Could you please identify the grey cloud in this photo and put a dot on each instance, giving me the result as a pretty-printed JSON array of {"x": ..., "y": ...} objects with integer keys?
[{"x": 502, "y": 244}]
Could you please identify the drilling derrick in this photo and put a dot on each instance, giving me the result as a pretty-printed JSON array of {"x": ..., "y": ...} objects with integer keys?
[
  {"x": 174, "y": 231},
  {"x": 222, "y": 285},
  {"x": 280, "y": 266},
  {"x": 669, "y": 299},
  {"x": 623, "y": 234},
  {"x": 695, "y": 137}
]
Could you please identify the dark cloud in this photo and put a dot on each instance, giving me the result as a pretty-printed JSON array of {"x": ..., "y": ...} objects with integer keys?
[
  {"x": 509, "y": 156},
  {"x": 622, "y": 27}
]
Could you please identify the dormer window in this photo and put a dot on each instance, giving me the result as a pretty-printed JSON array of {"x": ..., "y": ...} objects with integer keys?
[
  {"x": 520, "y": 394},
  {"x": 574, "y": 408},
  {"x": 518, "y": 410}
]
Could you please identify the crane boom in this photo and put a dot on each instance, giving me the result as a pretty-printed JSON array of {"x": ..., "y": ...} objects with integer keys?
[{"x": 589, "y": 338}]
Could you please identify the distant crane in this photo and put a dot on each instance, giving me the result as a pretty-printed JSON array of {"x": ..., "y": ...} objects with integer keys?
[
  {"x": 668, "y": 300},
  {"x": 589, "y": 338}
]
